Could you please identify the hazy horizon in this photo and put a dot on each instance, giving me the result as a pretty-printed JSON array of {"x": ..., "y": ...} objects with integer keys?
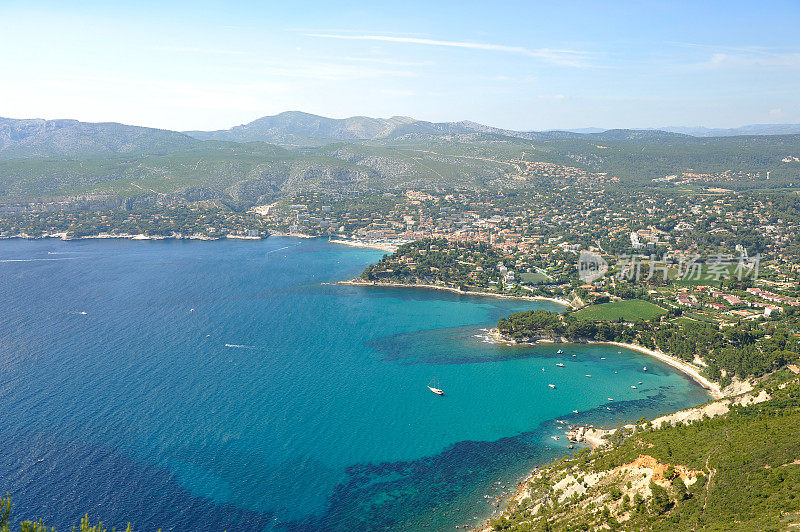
[{"x": 576, "y": 129}]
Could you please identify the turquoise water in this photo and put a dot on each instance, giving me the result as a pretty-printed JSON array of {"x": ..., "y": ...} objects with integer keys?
[{"x": 225, "y": 385}]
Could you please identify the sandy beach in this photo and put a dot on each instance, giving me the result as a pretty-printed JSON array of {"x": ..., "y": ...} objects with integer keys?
[
  {"x": 685, "y": 367},
  {"x": 383, "y": 246}
]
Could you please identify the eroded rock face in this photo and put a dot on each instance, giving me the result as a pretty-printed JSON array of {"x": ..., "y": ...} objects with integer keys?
[{"x": 94, "y": 202}]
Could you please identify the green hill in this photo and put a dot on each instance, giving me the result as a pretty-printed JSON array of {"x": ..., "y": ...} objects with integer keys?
[{"x": 41, "y": 159}]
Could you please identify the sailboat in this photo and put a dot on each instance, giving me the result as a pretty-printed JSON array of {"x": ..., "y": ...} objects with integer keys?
[
  {"x": 435, "y": 388},
  {"x": 559, "y": 351}
]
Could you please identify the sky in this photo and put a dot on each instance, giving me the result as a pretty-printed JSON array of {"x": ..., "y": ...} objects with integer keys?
[{"x": 518, "y": 65}]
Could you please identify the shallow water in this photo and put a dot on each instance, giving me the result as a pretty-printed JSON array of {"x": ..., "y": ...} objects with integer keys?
[{"x": 223, "y": 385}]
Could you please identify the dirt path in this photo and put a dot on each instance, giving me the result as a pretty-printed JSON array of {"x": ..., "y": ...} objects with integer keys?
[{"x": 712, "y": 471}]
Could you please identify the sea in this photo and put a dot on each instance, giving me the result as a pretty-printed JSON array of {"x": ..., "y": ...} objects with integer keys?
[{"x": 234, "y": 385}]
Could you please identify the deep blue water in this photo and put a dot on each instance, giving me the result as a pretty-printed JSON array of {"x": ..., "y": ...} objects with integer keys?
[{"x": 225, "y": 386}]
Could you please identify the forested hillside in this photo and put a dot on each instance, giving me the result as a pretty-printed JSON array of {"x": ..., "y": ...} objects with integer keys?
[{"x": 276, "y": 156}]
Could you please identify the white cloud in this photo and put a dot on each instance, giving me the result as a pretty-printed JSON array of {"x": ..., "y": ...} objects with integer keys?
[
  {"x": 573, "y": 58},
  {"x": 759, "y": 60},
  {"x": 776, "y": 113}
]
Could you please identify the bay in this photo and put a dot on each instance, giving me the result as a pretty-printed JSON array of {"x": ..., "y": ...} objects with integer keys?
[{"x": 230, "y": 386}]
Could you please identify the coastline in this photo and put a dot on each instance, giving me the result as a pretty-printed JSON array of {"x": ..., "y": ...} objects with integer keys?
[
  {"x": 128, "y": 236},
  {"x": 383, "y": 246},
  {"x": 355, "y": 282},
  {"x": 684, "y": 367},
  {"x": 594, "y": 436}
]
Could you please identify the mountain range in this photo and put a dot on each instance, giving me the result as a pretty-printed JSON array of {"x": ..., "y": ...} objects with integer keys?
[
  {"x": 53, "y": 138},
  {"x": 275, "y": 156}
]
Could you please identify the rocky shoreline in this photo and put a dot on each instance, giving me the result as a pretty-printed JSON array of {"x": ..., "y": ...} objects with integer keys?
[
  {"x": 598, "y": 437},
  {"x": 128, "y": 236},
  {"x": 361, "y": 282}
]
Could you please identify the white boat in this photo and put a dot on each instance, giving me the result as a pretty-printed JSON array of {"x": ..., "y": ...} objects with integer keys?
[
  {"x": 559, "y": 351},
  {"x": 634, "y": 387},
  {"x": 644, "y": 368},
  {"x": 560, "y": 365},
  {"x": 552, "y": 385},
  {"x": 602, "y": 358},
  {"x": 588, "y": 375},
  {"x": 435, "y": 388},
  {"x": 610, "y": 399},
  {"x": 574, "y": 411}
]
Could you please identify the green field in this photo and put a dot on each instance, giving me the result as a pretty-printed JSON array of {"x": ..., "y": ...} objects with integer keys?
[
  {"x": 630, "y": 310},
  {"x": 534, "y": 278}
]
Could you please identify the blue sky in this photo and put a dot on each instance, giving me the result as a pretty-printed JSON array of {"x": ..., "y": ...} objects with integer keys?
[{"x": 520, "y": 65}]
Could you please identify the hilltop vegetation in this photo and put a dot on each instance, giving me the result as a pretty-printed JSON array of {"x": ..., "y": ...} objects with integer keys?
[
  {"x": 38, "y": 526},
  {"x": 276, "y": 156}
]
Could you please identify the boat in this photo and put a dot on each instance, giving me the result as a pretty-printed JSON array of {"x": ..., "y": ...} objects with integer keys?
[
  {"x": 574, "y": 355},
  {"x": 559, "y": 351},
  {"x": 574, "y": 411},
  {"x": 588, "y": 375},
  {"x": 610, "y": 399},
  {"x": 602, "y": 358},
  {"x": 552, "y": 385},
  {"x": 560, "y": 365},
  {"x": 619, "y": 352},
  {"x": 634, "y": 387},
  {"x": 644, "y": 368},
  {"x": 435, "y": 388}
]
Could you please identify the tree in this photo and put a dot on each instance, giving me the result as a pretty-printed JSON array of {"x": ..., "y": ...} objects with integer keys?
[
  {"x": 681, "y": 493},
  {"x": 5, "y": 513},
  {"x": 660, "y": 501},
  {"x": 38, "y": 526}
]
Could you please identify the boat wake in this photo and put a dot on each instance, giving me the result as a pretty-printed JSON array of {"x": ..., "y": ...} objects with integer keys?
[
  {"x": 237, "y": 346},
  {"x": 38, "y": 260},
  {"x": 281, "y": 249}
]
